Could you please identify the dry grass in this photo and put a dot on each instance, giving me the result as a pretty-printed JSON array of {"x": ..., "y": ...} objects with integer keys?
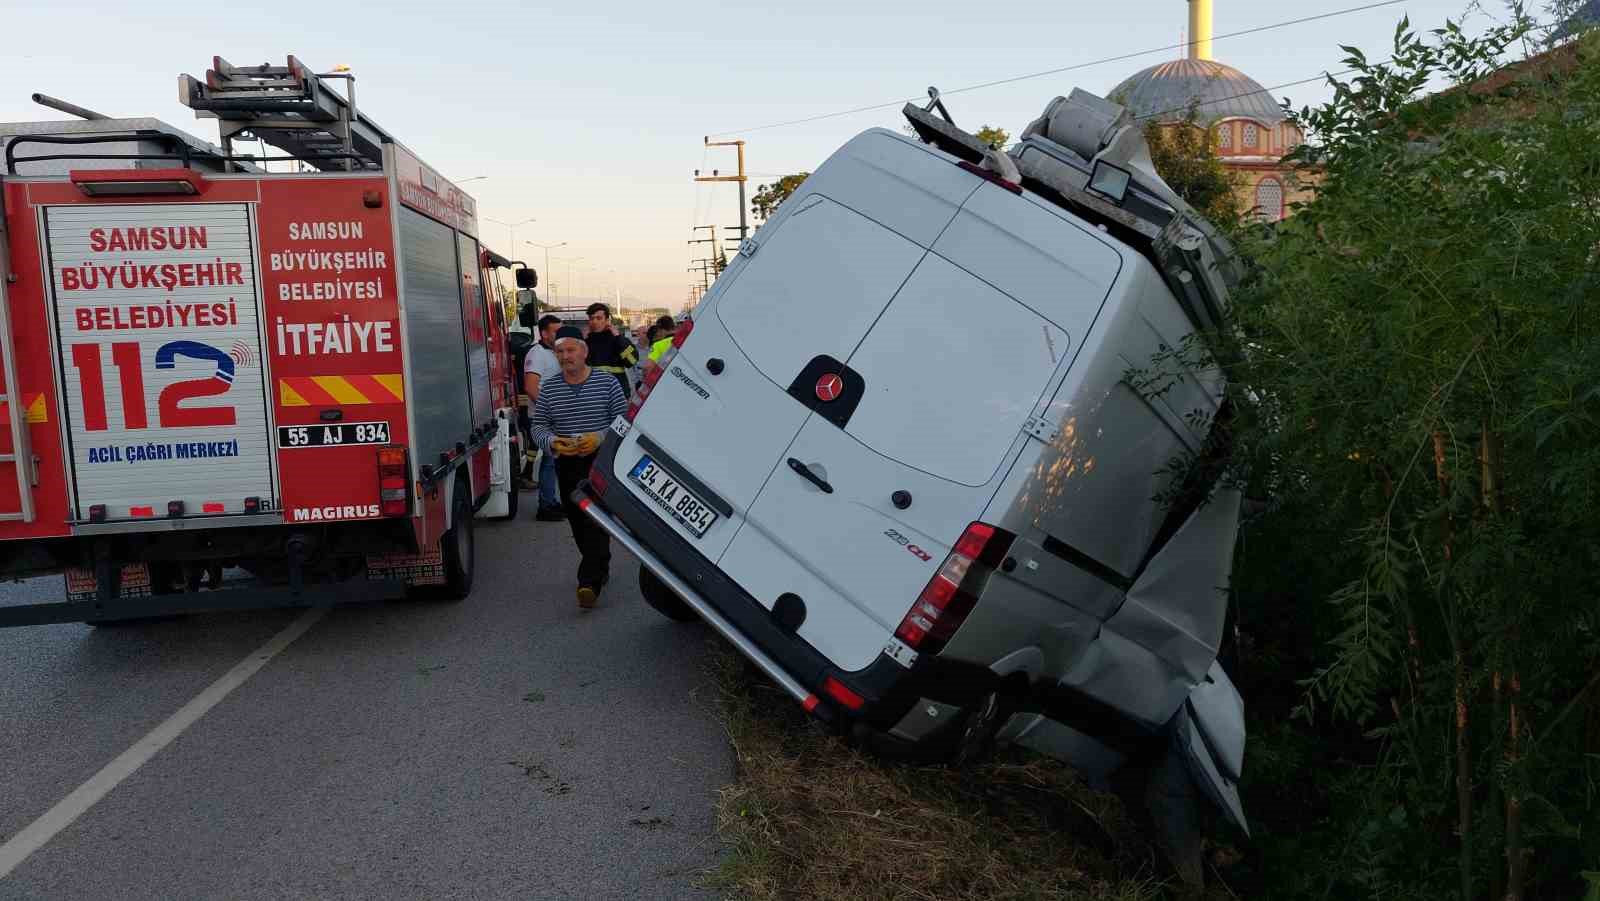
[{"x": 811, "y": 818}]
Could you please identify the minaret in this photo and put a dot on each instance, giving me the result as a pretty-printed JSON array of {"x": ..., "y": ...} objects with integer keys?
[{"x": 1200, "y": 29}]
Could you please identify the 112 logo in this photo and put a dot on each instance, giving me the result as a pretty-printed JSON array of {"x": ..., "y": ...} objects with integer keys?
[{"x": 129, "y": 362}]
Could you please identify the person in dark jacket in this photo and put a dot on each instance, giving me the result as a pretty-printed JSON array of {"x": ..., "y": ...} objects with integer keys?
[{"x": 609, "y": 351}]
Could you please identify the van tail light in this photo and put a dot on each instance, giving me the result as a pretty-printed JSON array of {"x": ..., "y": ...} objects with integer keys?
[
  {"x": 649, "y": 382},
  {"x": 654, "y": 375},
  {"x": 394, "y": 481},
  {"x": 954, "y": 590},
  {"x": 682, "y": 334}
]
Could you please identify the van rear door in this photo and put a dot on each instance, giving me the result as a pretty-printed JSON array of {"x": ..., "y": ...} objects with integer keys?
[
  {"x": 948, "y": 403},
  {"x": 944, "y": 382}
]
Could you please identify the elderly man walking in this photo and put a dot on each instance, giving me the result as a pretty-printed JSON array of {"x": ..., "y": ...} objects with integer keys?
[{"x": 569, "y": 420}]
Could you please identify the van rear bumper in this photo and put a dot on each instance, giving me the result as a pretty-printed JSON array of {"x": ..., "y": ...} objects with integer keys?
[
  {"x": 707, "y": 611},
  {"x": 889, "y": 689}
]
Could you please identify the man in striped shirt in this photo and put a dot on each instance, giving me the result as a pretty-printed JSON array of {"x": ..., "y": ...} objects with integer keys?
[{"x": 569, "y": 420}]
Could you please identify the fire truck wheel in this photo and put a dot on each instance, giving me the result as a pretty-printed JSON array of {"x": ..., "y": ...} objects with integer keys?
[{"x": 459, "y": 546}]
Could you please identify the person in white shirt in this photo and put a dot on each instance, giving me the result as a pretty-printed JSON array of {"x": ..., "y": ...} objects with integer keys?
[{"x": 541, "y": 368}]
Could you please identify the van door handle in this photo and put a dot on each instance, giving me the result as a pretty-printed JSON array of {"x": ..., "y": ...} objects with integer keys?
[{"x": 806, "y": 473}]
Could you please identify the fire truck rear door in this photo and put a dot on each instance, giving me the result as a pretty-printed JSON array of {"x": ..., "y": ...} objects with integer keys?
[{"x": 160, "y": 355}]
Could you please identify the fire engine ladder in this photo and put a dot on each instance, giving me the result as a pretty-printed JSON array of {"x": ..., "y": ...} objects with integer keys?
[
  {"x": 21, "y": 456},
  {"x": 290, "y": 108}
]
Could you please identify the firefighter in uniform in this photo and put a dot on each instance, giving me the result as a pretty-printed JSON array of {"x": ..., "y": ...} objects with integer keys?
[{"x": 609, "y": 351}]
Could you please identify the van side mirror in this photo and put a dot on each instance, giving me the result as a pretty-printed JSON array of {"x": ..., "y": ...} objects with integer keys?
[{"x": 527, "y": 278}]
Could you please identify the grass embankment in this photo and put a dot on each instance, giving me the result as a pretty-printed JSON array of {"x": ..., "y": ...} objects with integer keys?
[{"x": 809, "y": 817}]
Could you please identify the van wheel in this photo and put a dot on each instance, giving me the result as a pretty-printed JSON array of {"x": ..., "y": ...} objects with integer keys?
[
  {"x": 976, "y": 739},
  {"x": 459, "y": 546},
  {"x": 659, "y": 596}
]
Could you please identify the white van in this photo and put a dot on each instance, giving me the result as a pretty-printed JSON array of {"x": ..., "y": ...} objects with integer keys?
[{"x": 897, "y": 460}]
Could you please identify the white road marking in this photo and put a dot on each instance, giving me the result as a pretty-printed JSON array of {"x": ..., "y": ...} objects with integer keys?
[{"x": 85, "y": 796}]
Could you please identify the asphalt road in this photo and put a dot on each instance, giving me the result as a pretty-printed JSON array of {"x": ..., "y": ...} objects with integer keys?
[{"x": 506, "y": 746}]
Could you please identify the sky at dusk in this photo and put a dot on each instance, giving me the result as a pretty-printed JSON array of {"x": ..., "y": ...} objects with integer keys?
[{"x": 590, "y": 119}]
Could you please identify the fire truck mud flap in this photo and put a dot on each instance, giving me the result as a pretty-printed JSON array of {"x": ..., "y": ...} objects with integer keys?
[{"x": 123, "y": 607}]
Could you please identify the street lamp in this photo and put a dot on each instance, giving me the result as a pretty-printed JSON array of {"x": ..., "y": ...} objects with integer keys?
[
  {"x": 513, "y": 226},
  {"x": 546, "y": 247},
  {"x": 570, "y": 261}
]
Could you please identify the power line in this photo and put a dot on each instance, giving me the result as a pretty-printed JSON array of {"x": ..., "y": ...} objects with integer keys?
[{"x": 1099, "y": 62}]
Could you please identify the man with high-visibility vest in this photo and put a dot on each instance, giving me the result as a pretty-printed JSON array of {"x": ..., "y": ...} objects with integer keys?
[
  {"x": 609, "y": 351},
  {"x": 664, "y": 329}
]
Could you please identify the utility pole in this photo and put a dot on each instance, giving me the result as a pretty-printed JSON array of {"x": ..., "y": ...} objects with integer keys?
[
  {"x": 705, "y": 269},
  {"x": 708, "y": 269},
  {"x": 715, "y": 250},
  {"x": 744, "y": 228}
]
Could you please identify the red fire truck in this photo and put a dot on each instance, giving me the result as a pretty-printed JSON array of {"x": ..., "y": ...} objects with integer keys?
[{"x": 225, "y": 387}]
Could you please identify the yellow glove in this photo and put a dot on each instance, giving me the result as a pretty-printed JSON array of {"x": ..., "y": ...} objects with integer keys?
[
  {"x": 563, "y": 446},
  {"x": 586, "y": 444}
]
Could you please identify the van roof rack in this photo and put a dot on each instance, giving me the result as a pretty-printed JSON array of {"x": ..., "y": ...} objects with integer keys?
[{"x": 1088, "y": 155}]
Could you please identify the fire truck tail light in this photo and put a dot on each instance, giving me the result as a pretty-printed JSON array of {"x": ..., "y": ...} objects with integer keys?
[
  {"x": 174, "y": 508},
  {"x": 252, "y": 505},
  {"x": 97, "y": 513},
  {"x": 394, "y": 481}
]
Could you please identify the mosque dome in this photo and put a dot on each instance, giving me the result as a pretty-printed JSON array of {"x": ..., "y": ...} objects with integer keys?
[{"x": 1216, "y": 91}]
